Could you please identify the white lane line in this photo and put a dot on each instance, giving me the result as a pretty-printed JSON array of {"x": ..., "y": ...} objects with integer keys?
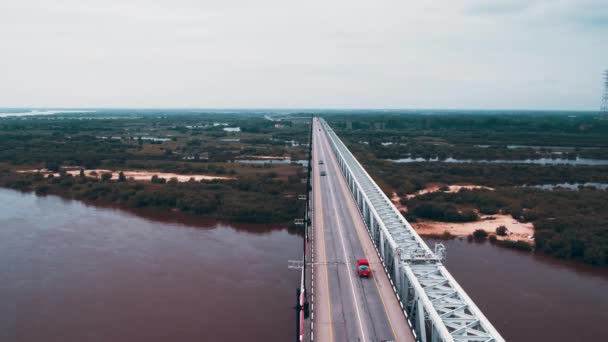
[{"x": 348, "y": 271}]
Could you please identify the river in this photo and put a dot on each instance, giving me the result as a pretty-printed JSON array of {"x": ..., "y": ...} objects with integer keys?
[
  {"x": 72, "y": 272},
  {"x": 530, "y": 297}
]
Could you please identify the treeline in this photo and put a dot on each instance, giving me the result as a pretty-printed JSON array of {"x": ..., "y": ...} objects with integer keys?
[
  {"x": 255, "y": 199},
  {"x": 113, "y": 138},
  {"x": 407, "y": 178},
  {"x": 476, "y": 135},
  {"x": 445, "y": 212},
  {"x": 478, "y": 127}
]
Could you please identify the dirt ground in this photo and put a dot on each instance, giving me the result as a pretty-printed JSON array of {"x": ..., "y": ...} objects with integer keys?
[{"x": 489, "y": 223}]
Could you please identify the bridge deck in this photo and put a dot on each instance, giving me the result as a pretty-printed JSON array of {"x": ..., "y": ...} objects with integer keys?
[{"x": 346, "y": 307}]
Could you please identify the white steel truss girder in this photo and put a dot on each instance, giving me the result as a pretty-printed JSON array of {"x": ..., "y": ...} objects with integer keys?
[{"x": 437, "y": 306}]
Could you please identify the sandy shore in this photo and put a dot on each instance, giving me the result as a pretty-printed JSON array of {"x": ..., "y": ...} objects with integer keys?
[
  {"x": 451, "y": 189},
  {"x": 265, "y": 157},
  {"x": 489, "y": 223},
  {"x": 135, "y": 175}
]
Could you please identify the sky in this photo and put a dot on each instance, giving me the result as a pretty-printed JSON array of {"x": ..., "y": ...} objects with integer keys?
[{"x": 471, "y": 54}]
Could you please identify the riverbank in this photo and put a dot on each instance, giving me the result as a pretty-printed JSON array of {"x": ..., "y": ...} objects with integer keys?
[
  {"x": 246, "y": 199},
  {"x": 566, "y": 223},
  {"x": 137, "y": 175}
]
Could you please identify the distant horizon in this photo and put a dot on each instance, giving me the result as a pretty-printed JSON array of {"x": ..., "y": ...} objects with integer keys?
[{"x": 301, "y": 108}]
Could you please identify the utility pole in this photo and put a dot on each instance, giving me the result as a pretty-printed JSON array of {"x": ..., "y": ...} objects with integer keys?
[{"x": 604, "y": 106}]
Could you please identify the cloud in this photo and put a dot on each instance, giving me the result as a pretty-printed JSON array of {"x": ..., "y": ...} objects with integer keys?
[
  {"x": 580, "y": 12},
  {"x": 500, "y": 7},
  {"x": 275, "y": 53}
]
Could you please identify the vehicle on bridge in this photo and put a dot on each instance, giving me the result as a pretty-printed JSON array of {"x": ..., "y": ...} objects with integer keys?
[
  {"x": 363, "y": 268},
  {"x": 320, "y": 162},
  {"x": 323, "y": 173}
]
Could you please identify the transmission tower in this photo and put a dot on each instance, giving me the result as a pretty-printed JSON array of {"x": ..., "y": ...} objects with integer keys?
[{"x": 604, "y": 107}]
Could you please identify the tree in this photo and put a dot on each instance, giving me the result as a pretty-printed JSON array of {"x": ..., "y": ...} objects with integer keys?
[
  {"x": 121, "y": 177},
  {"x": 106, "y": 176},
  {"x": 480, "y": 234},
  {"x": 53, "y": 166},
  {"x": 158, "y": 180},
  {"x": 502, "y": 231}
]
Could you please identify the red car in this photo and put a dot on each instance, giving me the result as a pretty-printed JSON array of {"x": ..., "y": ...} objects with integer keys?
[{"x": 363, "y": 268}]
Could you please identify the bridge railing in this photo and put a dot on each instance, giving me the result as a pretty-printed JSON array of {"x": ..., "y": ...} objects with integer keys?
[{"x": 436, "y": 306}]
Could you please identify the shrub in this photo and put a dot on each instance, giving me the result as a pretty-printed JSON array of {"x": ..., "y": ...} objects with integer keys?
[
  {"x": 480, "y": 234},
  {"x": 157, "y": 180},
  {"x": 42, "y": 189},
  {"x": 488, "y": 210},
  {"x": 519, "y": 245},
  {"x": 501, "y": 231}
]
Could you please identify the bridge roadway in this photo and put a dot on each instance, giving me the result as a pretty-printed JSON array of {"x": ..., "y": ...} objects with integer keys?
[{"x": 345, "y": 306}]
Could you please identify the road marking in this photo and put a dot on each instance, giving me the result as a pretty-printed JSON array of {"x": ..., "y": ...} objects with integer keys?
[
  {"x": 407, "y": 318},
  {"x": 348, "y": 271},
  {"x": 349, "y": 195},
  {"x": 324, "y": 255}
]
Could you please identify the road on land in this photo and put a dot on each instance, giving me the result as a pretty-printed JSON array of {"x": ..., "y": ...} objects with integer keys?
[{"x": 347, "y": 307}]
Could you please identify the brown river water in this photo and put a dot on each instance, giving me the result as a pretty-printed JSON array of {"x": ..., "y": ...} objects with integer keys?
[
  {"x": 72, "y": 272},
  {"x": 530, "y": 297}
]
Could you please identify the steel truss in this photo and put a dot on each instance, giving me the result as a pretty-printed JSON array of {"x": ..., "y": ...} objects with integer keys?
[{"x": 437, "y": 307}]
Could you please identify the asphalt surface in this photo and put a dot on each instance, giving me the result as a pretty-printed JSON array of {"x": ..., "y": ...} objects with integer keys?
[{"x": 346, "y": 306}]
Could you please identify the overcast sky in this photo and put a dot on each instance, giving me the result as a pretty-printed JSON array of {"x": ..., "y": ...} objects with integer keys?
[{"x": 481, "y": 54}]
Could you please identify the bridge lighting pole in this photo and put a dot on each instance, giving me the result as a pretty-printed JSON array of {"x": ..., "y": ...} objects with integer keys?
[{"x": 302, "y": 309}]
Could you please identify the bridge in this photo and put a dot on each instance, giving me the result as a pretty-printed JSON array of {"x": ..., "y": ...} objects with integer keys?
[{"x": 410, "y": 295}]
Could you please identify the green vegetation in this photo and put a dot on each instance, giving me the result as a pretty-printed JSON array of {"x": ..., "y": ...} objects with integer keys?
[
  {"x": 568, "y": 224},
  {"x": 181, "y": 142},
  {"x": 480, "y": 234},
  {"x": 481, "y": 135},
  {"x": 519, "y": 244},
  {"x": 501, "y": 231},
  {"x": 441, "y": 212}
]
